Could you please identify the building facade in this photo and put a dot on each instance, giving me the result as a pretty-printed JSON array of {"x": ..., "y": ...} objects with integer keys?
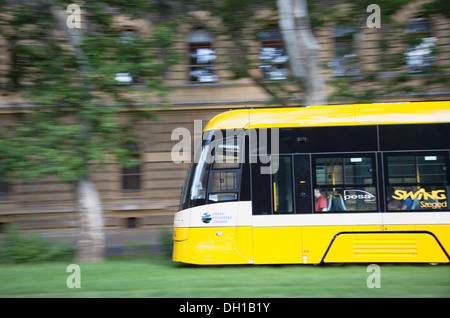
[{"x": 148, "y": 195}]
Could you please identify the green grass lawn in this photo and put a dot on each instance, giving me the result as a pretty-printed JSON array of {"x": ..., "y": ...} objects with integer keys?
[{"x": 155, "y": 276}]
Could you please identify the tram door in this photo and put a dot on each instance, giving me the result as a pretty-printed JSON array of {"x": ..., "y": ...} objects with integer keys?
[{"x": 277, "y": 199}]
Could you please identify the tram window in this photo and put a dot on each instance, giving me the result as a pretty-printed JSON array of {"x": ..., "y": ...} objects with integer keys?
[
  {"x": 282, "y": 186},
  {"x": 344, "y": 183},
  {"x": 224, "y": 180},
  {"x": 216, "y": 176},
  {"x": 417, "y": 182},
  {"x": 200, "y": 175},
  {"x": 223, "y": 184},
  {"x": 199, "y": 185},
  {"x": 218, "y": 197},
  {"x": 417, "y": 169},
  {"x": 228, "y": 153}
]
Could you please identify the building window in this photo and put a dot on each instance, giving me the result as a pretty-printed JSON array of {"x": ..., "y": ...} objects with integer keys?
[
  {"x": 131, "y": 176},
  {"x": 417, "y": 181},
  {"x": 345, "y": 62},
  {"x": 272, "y": 55},
  {"x": 129, "y": 56},
  {"x": 420, "y": 54},
  {"x": 4, "y": 185},
  {"x": 18, "y": 60},
  {"x": 201, "y": 57},
  {"x": 14, "y": 69},
  {"x": 4, "y": 188},
  {"x": 345, "y": 183}
]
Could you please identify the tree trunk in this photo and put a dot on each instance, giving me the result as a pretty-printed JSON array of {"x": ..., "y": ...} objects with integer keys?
[
  {"x": 302, "y": 49},
  {"x": 91, "y": 245}
]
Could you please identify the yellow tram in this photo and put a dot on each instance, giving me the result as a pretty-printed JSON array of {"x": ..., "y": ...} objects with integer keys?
[{"x": 323, "y": 184}]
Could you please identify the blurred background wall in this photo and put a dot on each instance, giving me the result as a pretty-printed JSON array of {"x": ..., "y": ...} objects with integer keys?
[{"x": 201, "y": 86}]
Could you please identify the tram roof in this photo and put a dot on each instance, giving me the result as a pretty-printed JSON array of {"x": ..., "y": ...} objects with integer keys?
[{"x": 333, "y": 115}]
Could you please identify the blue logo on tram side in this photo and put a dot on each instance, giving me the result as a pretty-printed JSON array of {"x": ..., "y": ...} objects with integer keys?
[{"x": 206, "y": 218}]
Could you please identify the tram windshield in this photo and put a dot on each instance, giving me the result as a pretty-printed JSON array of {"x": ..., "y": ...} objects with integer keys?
[{"x": 223, "y": 156}]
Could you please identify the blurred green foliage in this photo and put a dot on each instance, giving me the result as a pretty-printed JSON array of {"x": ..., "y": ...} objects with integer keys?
[
  {"x": 18, "y": 247},
  {"x": 71, "y": 79},
  {"x": 166, "y": 242}
]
